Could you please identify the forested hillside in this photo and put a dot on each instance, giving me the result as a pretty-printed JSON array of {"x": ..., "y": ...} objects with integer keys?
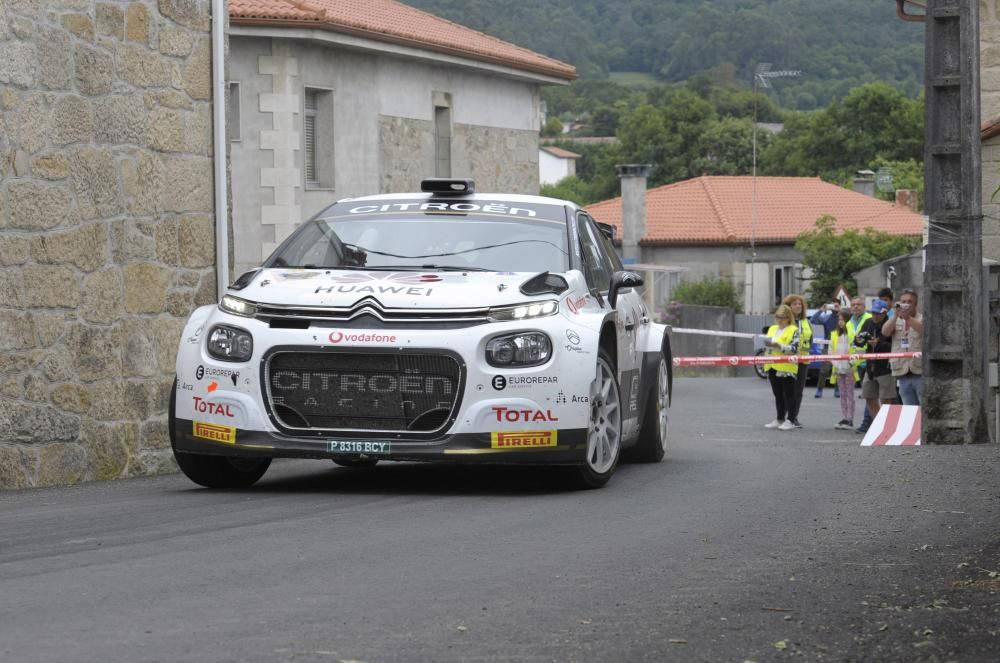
[{"x": 837, "y": 44}]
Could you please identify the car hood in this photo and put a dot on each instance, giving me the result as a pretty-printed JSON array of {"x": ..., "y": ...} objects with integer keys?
[{"x": 393, "y": 289}]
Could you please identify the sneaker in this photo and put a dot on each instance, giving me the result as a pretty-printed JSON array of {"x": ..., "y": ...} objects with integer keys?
[
  {"x": 795, "y": 422},
  {"x": 775, "y": 424},
  {"x": 819, "y": 393},
  {"x": 861, "y": 430},
  {"x": 844, "y": 424},
  {"x": 786, "y": 425}
]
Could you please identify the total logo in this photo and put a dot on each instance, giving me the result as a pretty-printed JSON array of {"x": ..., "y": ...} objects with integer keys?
[
  {"x": 208, "y": 407},
  {"x": 514, "y": 416},
  {"x": 340, "y": 337}
]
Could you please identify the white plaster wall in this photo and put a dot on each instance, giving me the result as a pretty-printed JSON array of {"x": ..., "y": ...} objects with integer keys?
[{"x": 552, "y": 169}]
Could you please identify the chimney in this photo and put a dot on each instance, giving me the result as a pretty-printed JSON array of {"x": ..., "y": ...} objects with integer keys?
[
  {"x": 907, "y": 198},
  {"x": 865, "y": 182},
  {"x": 633, "y": 177}
]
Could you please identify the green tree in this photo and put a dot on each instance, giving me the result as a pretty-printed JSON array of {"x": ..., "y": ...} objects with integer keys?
[
  {"x": 835, "y": 256},
  {"x": 708, "y": 292},
  {"x": 553, "y": 127}
]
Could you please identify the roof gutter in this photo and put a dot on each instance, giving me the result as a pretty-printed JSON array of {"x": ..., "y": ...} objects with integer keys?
[{"x": 219, "y": 16}]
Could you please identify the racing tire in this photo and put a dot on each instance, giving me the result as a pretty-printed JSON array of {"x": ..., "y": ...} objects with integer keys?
[
  {"x": 214, "y": 471},
  {"x": 652, "y": 444},
  {"x": 759, "y": 368},
  {"x": 357, "y": 463},
  {"x": 604, "y": 430}
]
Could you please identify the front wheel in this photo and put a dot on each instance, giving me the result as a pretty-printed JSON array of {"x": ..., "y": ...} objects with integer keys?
[
  {"x": 604, "y": 431},
  {"x": 652, "y": 444},
  {"x": 214, "y": 471}
]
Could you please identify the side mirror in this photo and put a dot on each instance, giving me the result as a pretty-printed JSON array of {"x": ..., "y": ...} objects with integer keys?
[
  {"x": 606, "y": 229},
  {"x": 621, "y": 280}
]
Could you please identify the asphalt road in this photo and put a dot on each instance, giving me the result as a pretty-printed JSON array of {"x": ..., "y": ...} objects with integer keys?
[{"x": 744, "y": 544}]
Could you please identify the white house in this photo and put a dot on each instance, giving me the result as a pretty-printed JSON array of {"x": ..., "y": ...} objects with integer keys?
[{"x": 555, "y": 164}]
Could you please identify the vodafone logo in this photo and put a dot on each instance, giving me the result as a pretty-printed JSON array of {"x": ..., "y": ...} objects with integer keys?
[{"x": 340, "y": 337}]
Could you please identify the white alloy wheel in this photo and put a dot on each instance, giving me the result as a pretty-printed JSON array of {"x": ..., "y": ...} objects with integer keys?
[
  {"x": 604, "y": 433},
  {"x": 662, "y": 403}
]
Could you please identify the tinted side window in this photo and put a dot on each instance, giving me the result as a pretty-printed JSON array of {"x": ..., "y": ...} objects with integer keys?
[{"x": 598, "y": 268}]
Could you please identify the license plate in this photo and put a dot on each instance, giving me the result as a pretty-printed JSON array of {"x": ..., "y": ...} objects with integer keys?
[{"x": 375, "y": 447}]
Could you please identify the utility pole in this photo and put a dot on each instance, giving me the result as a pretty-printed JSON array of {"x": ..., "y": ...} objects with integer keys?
[
  {"x": 761, "y": 74},
  {"x": 955, "y": 339}
]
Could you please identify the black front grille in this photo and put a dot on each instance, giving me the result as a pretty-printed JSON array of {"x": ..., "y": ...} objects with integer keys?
[{"x": 363, "y": 391}]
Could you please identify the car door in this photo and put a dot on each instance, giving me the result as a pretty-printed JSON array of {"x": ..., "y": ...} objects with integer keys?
[{"x": 601, "y": 262}]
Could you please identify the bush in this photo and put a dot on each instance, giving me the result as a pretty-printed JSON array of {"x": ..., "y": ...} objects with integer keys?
[{"x": 710, "y": 291}]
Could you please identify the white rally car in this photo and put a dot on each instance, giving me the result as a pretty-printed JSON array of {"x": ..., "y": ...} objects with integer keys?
[{"x": 437, "y": 326}]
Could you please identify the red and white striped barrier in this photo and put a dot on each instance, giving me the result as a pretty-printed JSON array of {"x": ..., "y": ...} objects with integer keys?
[
  {"x": 894, "y": 425},
  {"x": 787, "y": 359}
]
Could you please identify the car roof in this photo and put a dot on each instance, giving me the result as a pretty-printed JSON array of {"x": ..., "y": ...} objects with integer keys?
[{"x": 474, "y": 197}]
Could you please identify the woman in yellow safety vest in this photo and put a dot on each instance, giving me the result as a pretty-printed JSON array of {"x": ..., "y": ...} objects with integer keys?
[
  {"x": 783, "y": 341},
  {"x": 844, "y": 371},
  {"x": 798, "y": 305}
]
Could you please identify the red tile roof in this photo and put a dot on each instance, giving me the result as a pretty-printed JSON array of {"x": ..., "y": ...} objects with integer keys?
[
  {"x": 391, "y": 21},
  {"x": 559, "y": 152},
  {"x": 717, "y": 210}
]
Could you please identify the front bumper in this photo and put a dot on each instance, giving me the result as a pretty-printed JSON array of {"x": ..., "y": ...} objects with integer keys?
[{"x": 555, "y": 447}]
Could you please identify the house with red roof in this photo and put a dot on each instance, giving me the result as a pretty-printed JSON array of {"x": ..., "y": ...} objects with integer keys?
[
  {"x": 330, "y": 99},
  {"x": 744, "y": 229}
]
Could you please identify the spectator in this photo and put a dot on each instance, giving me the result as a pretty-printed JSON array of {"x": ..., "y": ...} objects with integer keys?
[
  {"x": 782, "y": 341},
  {"x": 907, "y": 332},
  {"x": 797, "y": 303},
  {"x": 879, "y": 386},
  {"x": 885, "y": 294},
  {"x": 827, "y": 316},
  {"x": 846, "y": 372}
]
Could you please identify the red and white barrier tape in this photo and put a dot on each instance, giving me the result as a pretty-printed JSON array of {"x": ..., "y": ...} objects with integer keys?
[{"x": 787, "y": 359}]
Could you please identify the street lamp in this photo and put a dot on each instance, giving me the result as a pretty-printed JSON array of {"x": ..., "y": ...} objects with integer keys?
[{"x": 761, "y": 75}]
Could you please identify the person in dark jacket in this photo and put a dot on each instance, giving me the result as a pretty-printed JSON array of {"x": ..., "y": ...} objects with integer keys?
[
  {"x": 826, "y": 317},
  {"x": 879, "y": 386}
]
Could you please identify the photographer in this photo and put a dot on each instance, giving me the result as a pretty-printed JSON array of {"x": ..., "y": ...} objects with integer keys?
[
  {"x": 828, "y": 317},
  {"x": 879, "y": 385},
  {"x": 907, "y": 330}
]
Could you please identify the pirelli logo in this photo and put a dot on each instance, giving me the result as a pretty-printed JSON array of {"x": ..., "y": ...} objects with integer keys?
[
  {"x": 529, "y": 439},
  {"x": 215, "y": 432}
]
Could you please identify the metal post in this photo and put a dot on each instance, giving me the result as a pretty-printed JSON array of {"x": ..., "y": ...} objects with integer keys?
[{"x": 955, "y": 337}]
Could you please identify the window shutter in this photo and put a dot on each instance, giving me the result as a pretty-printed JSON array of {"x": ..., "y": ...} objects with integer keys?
[{"x": 309, "y": 126}]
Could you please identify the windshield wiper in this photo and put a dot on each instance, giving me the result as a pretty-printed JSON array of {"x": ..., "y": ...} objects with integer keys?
[{"x": 431, "y": 267}]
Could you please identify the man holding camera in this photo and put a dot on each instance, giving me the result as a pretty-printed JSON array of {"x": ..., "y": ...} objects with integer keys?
[
  {"x": 879, "y": 385},
  {"x": 826, "y": 316},
  {"x": 907, "y": 330}
]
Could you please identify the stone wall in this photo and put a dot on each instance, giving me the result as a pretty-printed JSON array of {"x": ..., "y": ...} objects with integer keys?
[
  {"x": 106, "y": 229},
  {"x": 500, "y": 159}
]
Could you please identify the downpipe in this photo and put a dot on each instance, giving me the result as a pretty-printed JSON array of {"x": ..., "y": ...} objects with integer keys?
[{"x": 219, "y": 15}]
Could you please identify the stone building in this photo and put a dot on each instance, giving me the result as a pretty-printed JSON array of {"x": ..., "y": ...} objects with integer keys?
[
  {"x": 338, "y": 98},
  {"x": 106, "y": 229}
]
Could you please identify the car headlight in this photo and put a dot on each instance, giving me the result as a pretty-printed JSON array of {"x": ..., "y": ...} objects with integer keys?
[
  {"x": 524, "y": 311},
  {"x": 230, "y": 344},
  {"x": 518, "y": 350},
  {"x": 238, "y": 306}
]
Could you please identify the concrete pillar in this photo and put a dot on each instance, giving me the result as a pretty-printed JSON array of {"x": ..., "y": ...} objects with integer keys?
[{"x": 633, "y": 177}]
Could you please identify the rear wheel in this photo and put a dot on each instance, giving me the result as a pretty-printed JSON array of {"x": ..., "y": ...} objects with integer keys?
[
  {"x": 759, "y": 368},
  {"x": 652, "y": 444},
  {"x": 604, "y": 431},
  {"x": 214, "y": 471}
]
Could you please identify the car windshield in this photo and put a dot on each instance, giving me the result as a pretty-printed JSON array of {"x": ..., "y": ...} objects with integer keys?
[{"x": 423, "y": 242}]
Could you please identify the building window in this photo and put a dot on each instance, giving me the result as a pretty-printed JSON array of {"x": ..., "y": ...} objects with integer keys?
[
  {"x": 783, "y": 282},
  {"x": 442, "y": 141},
  {"x": 317, "y": 138},
  {"x": 233, "y": 119}
]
